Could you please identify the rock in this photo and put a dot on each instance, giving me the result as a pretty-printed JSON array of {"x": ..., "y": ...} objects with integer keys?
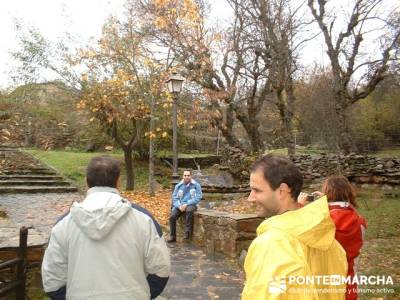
[
  {"x": 389, "y": 164},
  {"x": 242, "y": 258},
  {"x": 90, "y": 147}
]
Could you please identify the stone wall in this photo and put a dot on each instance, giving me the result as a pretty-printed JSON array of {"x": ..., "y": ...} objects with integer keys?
[
  {"x": 223, "y": 232},
  {"x": 193, "y": 162},
  {"x": 358, "y": 168}
]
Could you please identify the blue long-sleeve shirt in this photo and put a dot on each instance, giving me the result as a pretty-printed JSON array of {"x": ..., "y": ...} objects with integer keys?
[{"x": 189, "y": 194}]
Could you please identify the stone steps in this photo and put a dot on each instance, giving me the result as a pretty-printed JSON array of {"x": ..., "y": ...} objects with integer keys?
[
  {"x": 33, "y": 182},
  {"x": 30, "y": 172},
  {"x": 36, "y": 177},
  {"x": 37, "y": 189},
  {"x": 23, "y": 173}
]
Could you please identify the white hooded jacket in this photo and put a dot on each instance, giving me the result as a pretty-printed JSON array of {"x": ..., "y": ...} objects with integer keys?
[{"x": 104, "y": 249}]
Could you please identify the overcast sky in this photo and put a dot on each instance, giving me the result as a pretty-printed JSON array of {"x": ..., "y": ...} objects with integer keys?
[{"x": 84, "y": 19}]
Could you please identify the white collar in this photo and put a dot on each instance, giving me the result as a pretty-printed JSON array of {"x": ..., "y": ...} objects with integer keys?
[{"x": 339, "y": 203}]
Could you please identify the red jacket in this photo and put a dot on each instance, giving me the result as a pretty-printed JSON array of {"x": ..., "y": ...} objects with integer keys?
[{"x": 349, "y": 233}]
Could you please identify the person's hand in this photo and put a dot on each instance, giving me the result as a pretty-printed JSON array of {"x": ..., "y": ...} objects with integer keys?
[
  {"x": 302, "y": 198},
  {"x": 183, "y": 207}
]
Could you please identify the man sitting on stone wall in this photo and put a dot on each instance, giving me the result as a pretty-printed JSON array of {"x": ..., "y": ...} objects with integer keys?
[{"x": 187, "y": 194}]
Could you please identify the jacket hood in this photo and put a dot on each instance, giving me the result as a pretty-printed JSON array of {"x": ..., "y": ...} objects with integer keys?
[
  {"x": 311, "y": 224},
  {"x": 97, "y": 223}
]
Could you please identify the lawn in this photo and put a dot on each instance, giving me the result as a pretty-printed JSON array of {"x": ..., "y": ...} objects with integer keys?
[
  {"x": 72, "y": 165},
  {"x": 388, "y": 153},
  {"x": 381, "y": 252}
]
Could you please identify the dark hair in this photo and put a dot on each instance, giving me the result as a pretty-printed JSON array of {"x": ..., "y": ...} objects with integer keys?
[
  {"x": 338, "y": 188},
  {"x": 102, "y": 171},
  {"x": 277, "y": 170}
]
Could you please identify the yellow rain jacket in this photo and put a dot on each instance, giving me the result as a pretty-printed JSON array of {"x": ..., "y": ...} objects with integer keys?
[{"x": 296, "y": 256}]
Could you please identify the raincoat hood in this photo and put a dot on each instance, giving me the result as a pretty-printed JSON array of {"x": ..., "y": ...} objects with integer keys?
[
  {"x": 98, "y": 214},
  {"x": 311, "y": 224}
]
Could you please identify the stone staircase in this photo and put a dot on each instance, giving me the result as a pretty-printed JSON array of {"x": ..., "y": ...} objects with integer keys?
[{"x": 22, "y": 173}]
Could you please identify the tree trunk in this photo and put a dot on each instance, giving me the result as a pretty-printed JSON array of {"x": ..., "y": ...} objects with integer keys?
[
  {"x": 251, "y": 127},
  {"x": 227, "y": 129},
  {"x": 290, "y": 143},
  {"x": 285, "y": 107},
  {"x": 130, "y": 179},
  {"x": 151, "y": 148},
  {"x": 344, "y": 140}
]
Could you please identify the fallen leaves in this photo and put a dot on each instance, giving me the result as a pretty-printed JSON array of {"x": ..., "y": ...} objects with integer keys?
[{"x": 158, "y": 205}]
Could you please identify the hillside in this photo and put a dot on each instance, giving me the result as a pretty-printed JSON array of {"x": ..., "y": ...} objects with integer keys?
[{"x": 41, "y": 115}]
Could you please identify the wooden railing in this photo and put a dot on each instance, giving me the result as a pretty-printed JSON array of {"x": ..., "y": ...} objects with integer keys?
[{"x": 18, "y": 285}]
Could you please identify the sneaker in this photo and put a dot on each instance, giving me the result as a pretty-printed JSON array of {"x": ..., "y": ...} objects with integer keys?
[{"x": 171, "y": 240}]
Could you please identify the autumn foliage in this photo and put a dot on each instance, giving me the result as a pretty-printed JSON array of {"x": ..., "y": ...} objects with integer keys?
[{"x": 158, "y": 205}]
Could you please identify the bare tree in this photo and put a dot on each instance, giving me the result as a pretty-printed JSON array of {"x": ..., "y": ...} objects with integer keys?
[
  {"x": 216, "y": 61},
  {"x": 346, "y": 57},
  {"x": 275, "y": 33}
]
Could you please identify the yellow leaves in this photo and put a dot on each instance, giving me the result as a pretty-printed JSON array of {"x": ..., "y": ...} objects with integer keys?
[
  {"x": 150, "y": 134},
  {"x": 84, "y": 77},
  {"x": 81, "y": 105},
  {"x": 160, "y": 23},
  {"x": 159, "y": 205},
  {"x": 172, "y": 12},
  {"x": 153, "y": 135},
  {"x": 217, "y": 37},
  {"x": 167, "y": 105}
]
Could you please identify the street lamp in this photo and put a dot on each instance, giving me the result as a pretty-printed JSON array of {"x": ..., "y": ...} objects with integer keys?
[{"x": 174, "y": 84}]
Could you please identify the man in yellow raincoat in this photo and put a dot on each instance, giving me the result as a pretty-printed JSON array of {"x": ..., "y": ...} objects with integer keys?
[{"x": 295, "y": 254}]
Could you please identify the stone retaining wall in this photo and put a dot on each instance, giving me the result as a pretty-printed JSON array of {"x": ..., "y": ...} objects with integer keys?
[
  {"x": 223, "y": 232},
  {"x": 358, "y": 168},
  {"x": 192, "y": 162}
]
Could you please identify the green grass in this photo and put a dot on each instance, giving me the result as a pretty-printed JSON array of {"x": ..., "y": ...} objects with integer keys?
[
  {"x": 72, "y": 165},
  {"x": 381, "y": 252},
  {"x": 304, "y": 151},
  {"x": 388, "y": 153}
]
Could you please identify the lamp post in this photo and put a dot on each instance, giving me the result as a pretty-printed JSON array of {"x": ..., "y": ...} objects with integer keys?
[{"x": 174, "y": 84}]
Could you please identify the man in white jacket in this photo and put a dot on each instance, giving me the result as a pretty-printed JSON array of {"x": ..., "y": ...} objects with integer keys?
[{"x": 105, "y": 248}]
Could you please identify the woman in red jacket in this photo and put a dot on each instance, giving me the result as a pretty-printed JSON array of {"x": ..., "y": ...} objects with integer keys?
[{"x": 350, "y": 226}]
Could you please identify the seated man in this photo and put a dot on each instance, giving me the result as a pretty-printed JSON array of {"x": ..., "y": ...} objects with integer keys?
[{"x": 185, "y": 197}]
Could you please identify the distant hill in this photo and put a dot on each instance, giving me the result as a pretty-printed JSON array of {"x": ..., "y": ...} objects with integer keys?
[
  {"x": 43, "y": 93},
  {"x": 40, "y": 115}
]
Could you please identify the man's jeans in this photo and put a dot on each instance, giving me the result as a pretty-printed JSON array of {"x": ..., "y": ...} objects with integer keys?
[{"x": 175, "y": 214}]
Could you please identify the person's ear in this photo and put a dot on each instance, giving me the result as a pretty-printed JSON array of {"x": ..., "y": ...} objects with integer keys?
[{"x": 284, "y": 189}]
